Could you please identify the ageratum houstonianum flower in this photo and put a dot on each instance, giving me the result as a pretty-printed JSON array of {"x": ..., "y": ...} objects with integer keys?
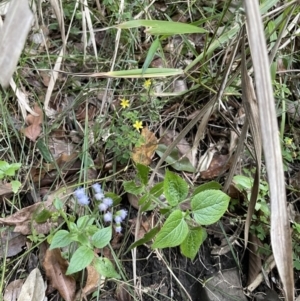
[
  {"x": 99, "y": 196},
  {"x": 108, "y": 201},
  {"x": 118, "y": 219},
  {"x": 123, "y": 213},
  {"x": 118, "y": 228},
  {"x": 97, "y": 188},
  {"x": 81, "y": 196},
  {"x": 107, "y": 217},
  {"x": 103, "y": 207}
]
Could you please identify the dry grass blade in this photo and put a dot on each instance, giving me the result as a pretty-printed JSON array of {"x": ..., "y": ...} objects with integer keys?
[
  {"x": 251, "y": 110},
  {"x": 13, "y": 35},
  {"x": 280, "y": 234}
]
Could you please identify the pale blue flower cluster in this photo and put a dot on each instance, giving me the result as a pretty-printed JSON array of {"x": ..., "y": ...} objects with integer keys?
[{"x": 105, "y": 204}]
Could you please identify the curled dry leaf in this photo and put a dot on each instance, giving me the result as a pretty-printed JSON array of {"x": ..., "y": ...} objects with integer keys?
[
  {"x": 219, "y": 164},
  {"x": 33, "y": 130},
  {"x": 13, "y": 290},
  {"x": 33, "y": 289},
  {"x": 144, "y": 153},
  {"x": 15, "y": 242},
  {"x": 55, "y": 267}
]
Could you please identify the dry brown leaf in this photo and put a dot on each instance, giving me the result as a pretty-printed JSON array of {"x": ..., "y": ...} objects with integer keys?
[
  {"x": 5, "y": 189},
  {"x": 14, "y": 242},
  {"x": 23, "y": 219},
  {"x": 122, "y": 293},
  {"x": 55, "y": 267},
  {"x": 13, "y": 290},
  {"x": 34, "y": 129},
  {"x": 144, "y": 153},
  {"x": 218, "y": 165},
  {"x": 33, "y": 289}
]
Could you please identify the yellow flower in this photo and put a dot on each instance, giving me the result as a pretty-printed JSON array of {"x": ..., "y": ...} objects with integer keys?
[
  {"x": 147, "y": 84},
  {"x": 138, "y": 125},
  {"x": 124, "y": 103}
]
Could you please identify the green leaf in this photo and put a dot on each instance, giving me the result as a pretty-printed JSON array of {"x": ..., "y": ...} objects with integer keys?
[
  {"x": 162, "y": 27},
  {"x": 44, "y": 150},
  {"x": 138, "y": 73},
  {"x": 147, "y": 237},
  {"x": 173, "y": 232},
  {"x": 85, "y": 221},
  {"x": 105, "y": 268},
  {"x": 61, "y": 238},
  {"x": 175, "y": 188},
  {"x": 150, "y": 54},
  {"x": 143, "y": 172},
  {"x": 15, "y": 185},
  {"x": 175, "y": 160},
  {"x": 8, "y": 169},
  {"x": 209, "y": 206},
  {"x": 42, "y": 216},
  {"x": 4, "y": 165},
  {"x": 206, "y": 186},
  {"x": 82, "y": 257},
  {"x": 190, "y": 246},
  {"x": 102, "y": 237},
  {"x": 131, "y": 187}
]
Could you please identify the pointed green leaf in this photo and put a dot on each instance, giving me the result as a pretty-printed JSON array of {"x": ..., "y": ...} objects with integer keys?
[
  {"x": 138, "y": 73},
  {"x": 207, "y": 186},
  {"x": 162, "y": 27},
  {"x": 209, "y": 206},
  {"x": 82, "y": 257},
  {"x": 175, "y": 188},
  {"x": 15, "y": 185},
  {"x": 143, "y": 172},
  {"x": 105, "y": 268},
  {"x": 147, "y": 237},
  {"x": 132, "y": 187},
  {"x": 102, "y": 237},
  {"x": 190, "y": 246},
  {"x": 61, "y": 238},
  {"x": 173, "y": 232},
  {"x": 150, "y": 54}
]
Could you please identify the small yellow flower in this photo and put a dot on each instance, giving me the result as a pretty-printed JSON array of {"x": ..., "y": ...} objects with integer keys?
[
  {"x": 138, "y": 125},
  {"x": 147, "y": 84},
  {"x": 124, "y": 103}
]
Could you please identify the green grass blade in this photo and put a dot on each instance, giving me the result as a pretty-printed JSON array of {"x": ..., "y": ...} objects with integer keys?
[
  {"x": 150, "y": 55},
  {"x": 162, "y": 27},
  {"x": 138, "y": 73}
]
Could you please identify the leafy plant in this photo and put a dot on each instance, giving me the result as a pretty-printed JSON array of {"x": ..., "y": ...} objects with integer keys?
[
  {"x": 182, "y": 228},
  {"x": 87, "y": 235},
  {"x": 7, "y": 171}
]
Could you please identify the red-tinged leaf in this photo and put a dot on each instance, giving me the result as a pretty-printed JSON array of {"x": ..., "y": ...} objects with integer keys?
[
  {"x": 34, "y": 124},
  {"x": 55, "y": 267}
]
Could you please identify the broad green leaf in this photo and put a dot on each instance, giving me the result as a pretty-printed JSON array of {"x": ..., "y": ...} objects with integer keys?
[
  {"x": 175, "y": 160},
  {"x": 3, "y": 165},
  {"x": 85, "y": 221},
  {"x": 138, "y": 73},
  {"x": 102, "y": 237},
  {"x": 175, "y": 188},
  {"x": 150, "y": 54},
  {"x": 243, "y": 182},
  {"x": 208, "y": 206},
  {"x": 206, "y": 186},
  {"x": 44, "y": 150},
  {"x": 82, "y": 257},
  {"x": 143, "y": 172},
  {"x": 15, "y": 185},
  {"x": 132, "y": 187},
  {"x": 162, "y": 27},
  {"x": 61, "y": 238},
  {"x": 42, "y": 216},
  {"x": 105, "y": 268},
  {"x": 190, "y": 246},
  {"x": 147, "y": 237},
  {"x": 173, "y": 232}
]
